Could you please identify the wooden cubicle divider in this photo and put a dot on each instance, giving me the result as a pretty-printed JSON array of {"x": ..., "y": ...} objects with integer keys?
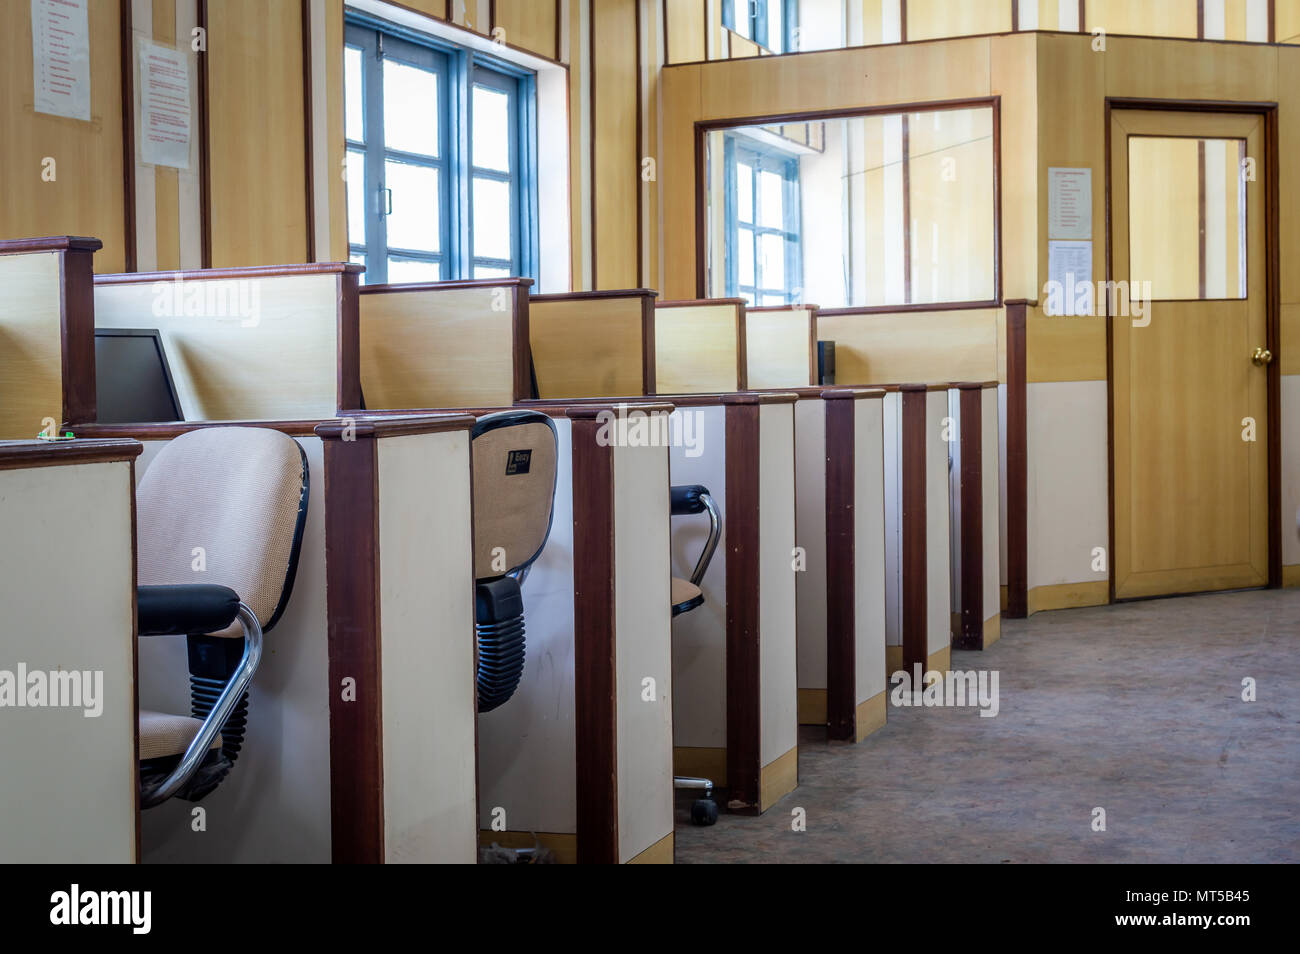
[
  {"x": 700, "y": 346},
  {"x": 445, "y": 344},
  {"x": 47, "y": 357},
  {"x": 598, "y": 344},
  {"x": 270, "y": 343},
  {"x": 70, "y": 785},
  {"x": 781, "y": 346},
  {"x": 976, "y": 499},
  {"x": 402, "y": 705}
]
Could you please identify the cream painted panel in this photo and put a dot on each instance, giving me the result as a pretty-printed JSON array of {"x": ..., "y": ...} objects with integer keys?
[
  {"x": 527, "y": 746},
  {"x": 778, "y": 684},
  {"x": 700, "y": 636},
  {"x": 696, "y": 348},
  {"x": 1068, "y": 482},
  {"x": 954, "y": 501},
  {"x": 259, "y": 348},
  {"x": 869, "y": 548},
  {"x": 427, "y": 659},
  {"x": 1002, "y": 486},
  {"x": 777, "y": 347},
  {"x": 69, "y": 782},
  {"x": 810, "y": 527},
  {"x": 642, "y": 648},
  {"x": 893, "y": 471},
  {"x": 928, "y": 347},
  {"x": 1290, "y": 469},
  {"x": 937, "y": 543},
  {"x": 31, "y": 343},
  {"x": 274, "y": 807},
  {"x": 991, "y": 488}
]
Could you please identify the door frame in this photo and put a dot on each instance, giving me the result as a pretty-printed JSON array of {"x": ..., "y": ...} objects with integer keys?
[{"x": 1272, "y": 317}]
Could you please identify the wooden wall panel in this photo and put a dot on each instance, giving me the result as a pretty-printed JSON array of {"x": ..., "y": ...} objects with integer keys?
[
  {"x": 928, "y": 19},
  {"x": 1287, "y": 21},
  {"x": 926, "y": 347},
  {"x": 698, "y": 348},
  {"x": 87, "y": 196},
  {"x": 685, "y": 31},
  {"x": 1148, "y": 18},
  {"x": 588, "y": 347},
  {"x": 257, "y": 130},
  {"x": 616, "y": 172},
  {"x": 529, "y": 25},
  {"x": 31, "y": 379}
]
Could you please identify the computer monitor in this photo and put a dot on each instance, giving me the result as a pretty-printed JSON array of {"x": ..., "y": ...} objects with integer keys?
[{"x": 133, "y": 383}]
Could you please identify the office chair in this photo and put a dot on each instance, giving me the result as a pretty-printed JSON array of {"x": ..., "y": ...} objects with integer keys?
[
  {"x": 225, "y": 505},
  {"x": 686, "y": 595},
  {"x": 514, "y": 500}
]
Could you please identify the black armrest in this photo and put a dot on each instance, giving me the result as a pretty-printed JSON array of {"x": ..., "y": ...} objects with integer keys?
[
  {"x": 185, "y": 609},
  {"x": 685, "y": 499}
]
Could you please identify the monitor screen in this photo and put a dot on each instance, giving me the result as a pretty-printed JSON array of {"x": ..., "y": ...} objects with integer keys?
[{"x": 133, "y": 383}]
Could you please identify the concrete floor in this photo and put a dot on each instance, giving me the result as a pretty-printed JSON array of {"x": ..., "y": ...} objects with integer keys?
[{"x": 1135, "y": 708}]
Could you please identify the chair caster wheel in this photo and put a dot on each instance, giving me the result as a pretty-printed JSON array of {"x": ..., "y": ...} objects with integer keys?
[{"x": 704, "y": 811}]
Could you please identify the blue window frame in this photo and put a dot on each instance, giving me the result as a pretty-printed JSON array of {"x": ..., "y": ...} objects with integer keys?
[
  {"x": 440, "y": 161},
  {"x": 768, "y": 23},
  {"x": 763, "y": 259}
]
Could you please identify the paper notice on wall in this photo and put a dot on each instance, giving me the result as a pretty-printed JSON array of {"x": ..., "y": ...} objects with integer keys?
[
  {"x": 1069, "y": 279},
  {"x": 1069, "y": 203},
  {"x": 61, "y": 58},
  {"x": 165, "y": 116}
]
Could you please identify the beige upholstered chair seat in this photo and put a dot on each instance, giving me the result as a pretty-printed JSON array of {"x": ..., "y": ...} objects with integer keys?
[
  {"x": 682, "y": 591},
  {"x": 163, "y": 734}
]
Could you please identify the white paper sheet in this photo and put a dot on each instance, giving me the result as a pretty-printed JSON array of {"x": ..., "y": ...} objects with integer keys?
[
  {"x": 1069, "y": 203},
  {"x": 1069, "y": 275},
  {"x": 61, "y": 58},
  {"x": 165, "y": 117}
]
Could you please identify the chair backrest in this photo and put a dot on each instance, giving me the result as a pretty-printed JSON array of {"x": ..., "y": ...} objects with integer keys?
[
  {"x": 239, "y": 494},
  {"x": 514, "y": 489}
]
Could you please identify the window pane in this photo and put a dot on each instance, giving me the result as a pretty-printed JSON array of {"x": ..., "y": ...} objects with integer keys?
[
  {"x": 773, "y": 299},
  {"x": 745, "y": 257},
  {"x": 491, "y": 145},
  {"x": 414, "y": 221},
  {"x": 744, "y": 192},
  {"x": 410, "y": 109},
  {"x": 490, "y": 271},
  {"x": 770, "y": 204},
  {"x": 1168, "y": 213},
  {"x": 771, "y": 257},
  {"x": 740, "y": 16},
  {"x": 491, "y": 218},
  {"x": 356, "y": 169},
  {"x": 358, "y": 258},
  {"x": 775, "y": 24},
  {"x": 353, "y": 95},
  {"x": 410, "y": 270}
]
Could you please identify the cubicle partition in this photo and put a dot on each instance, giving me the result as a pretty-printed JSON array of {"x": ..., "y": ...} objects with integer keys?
[
  {"x": 45, "y": 304},
  {"x": 598, "y": 344},
  {"x": 700, "y": 346},
  {"x": 67, "y": 584},
  {"x": 781, "y": 346}
]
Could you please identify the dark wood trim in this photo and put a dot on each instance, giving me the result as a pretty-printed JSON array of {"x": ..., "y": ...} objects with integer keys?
[
  {"x": 492, "y": 16},
  {"x": 640, "y": 157},
  {"x": 744, "y": 756},
  {"x": 559, "y": 33},
  {"x": 1110, "y": 371},
  {"x": 1083, "y": 16},
  {"x": 701, "y": 244},
  {"x": 1017, "y": 463},
  {"x": 443, "y": 286},
  {"x": 912, "y": 491},
  {"x": 1200, "y": 215},
  {"x": 127, "y": 39},
  {"x": 522, "y": 345},
  {"x": 16, "y": 455},
  {"x": 205, "y": 144},
  {"x": 50, "y": 243},
  {"x": 352, "y": 592},
  {"x": 696, "y": 302},
  {"x": 841, "y": 596},
  {"x": 835, "y": 112},
  {"x": 250, "y": 271},
  {"x": 907, "y": 200},
  {"x": 1272, "y": 21},
  {"x": 165, "y": 432},
  {"x": 604, "y": 293},
  {"x": 348, "y": 382},
  {"x": 77, "y": 335},
  {"x": 742, "y": 347},
  {"x": 1273, "y": 325},
  {"x": 594, "y": 646},
  {"x": 902, "y": 21},
  {"x": 868, "y": 310},
  {"x": 1192, "y": 105},
  {"x": 663, "y": 31},
  {"x": 970, "y": 630},
  {"x": 310, "y": 173},
  {"x": 366, "y": 425},
  {"x": 848, "y": 393},
  {"x": 761, "y": 397},
  {"x": 813, "y": 313},
  {"x": 1200, "y": 19},
  {"x": 649, "y": 383},
  {"x": 592, "y": 137},
  {"x": 1015, "y": 16}
]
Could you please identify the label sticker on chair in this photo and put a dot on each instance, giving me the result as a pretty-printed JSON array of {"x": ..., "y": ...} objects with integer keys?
[{"x": 518, "y": 462}]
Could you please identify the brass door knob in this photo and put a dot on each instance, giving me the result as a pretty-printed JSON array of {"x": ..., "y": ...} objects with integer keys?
[{"x": 1262, "y": 356}]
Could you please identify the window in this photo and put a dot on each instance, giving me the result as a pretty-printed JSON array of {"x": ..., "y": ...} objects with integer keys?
[
  {"x": 762, "y": 224},
  {"x": 766, "y": 22},
  {"x": 439, "y": 158}
]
